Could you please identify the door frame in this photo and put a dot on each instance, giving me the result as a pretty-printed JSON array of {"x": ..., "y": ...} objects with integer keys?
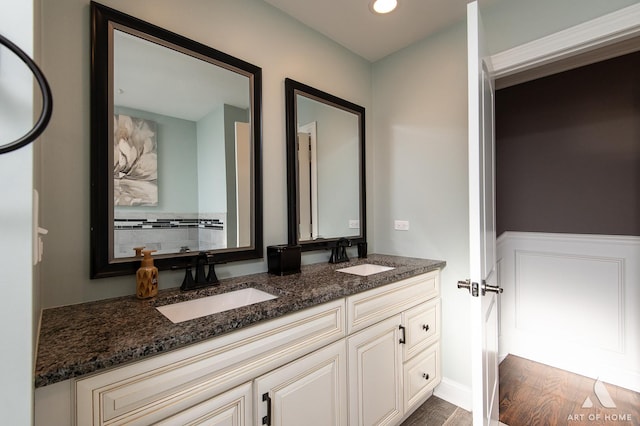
[{"x": 592, "y": 41}]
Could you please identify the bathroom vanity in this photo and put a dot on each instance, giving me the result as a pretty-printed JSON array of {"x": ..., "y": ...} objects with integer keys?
[{"x": 332, "y": 348}]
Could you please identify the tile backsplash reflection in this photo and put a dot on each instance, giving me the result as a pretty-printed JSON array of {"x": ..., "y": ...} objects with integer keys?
[{"x": 168, "y": 233}]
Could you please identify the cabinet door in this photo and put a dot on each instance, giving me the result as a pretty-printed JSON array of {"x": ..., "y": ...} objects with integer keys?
[
  {"x": 232, "y": 408},
  {"x": 375, "y": 374},
  {"x": 310, "y": 391}
]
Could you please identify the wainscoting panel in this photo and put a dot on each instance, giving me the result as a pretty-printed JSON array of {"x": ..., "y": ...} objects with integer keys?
[{"x": 572, "y": 302}]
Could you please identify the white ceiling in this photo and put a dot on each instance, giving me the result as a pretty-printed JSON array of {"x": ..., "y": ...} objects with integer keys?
[{"x": 352, "y": 24}]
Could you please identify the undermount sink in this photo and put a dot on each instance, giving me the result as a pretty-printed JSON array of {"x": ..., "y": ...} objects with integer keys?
[
  {"x": 365, "y": 269},
  {"x": 196, "y": 308}
]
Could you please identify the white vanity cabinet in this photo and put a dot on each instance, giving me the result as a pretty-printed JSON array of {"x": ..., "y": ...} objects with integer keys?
[
  {"x": 394, "y": 364},
  {"x": 195, "y": 380},
  {"x": 370, "y": 358}
]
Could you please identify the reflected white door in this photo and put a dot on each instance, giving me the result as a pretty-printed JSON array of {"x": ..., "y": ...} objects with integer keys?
[
  {"x": 307, "y": 182},
  {"x": 243, "y": 183},
  {"x": 484, "y": 305}
]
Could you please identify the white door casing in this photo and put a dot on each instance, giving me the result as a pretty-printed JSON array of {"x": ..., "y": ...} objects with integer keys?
[
  {"x": 243, "y": 183},
  {"x": 307, "y": 182},
  {"x": 484, "y": 305}
]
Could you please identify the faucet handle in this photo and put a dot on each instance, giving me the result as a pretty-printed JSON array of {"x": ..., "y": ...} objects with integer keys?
[{"x": 188, "y": 282}]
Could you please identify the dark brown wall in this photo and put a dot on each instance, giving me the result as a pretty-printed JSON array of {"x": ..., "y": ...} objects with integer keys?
[{"x": 568, "y": 151}]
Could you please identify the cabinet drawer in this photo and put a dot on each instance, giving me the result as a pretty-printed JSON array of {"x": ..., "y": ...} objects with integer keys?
[
  {"x": 369, "y": 307},
  {"x": 421, "y": 375},
  {"x": 233, "y": 407},
  {"x": 147, "y": 391},
  {"x": 422, "y": 327}
]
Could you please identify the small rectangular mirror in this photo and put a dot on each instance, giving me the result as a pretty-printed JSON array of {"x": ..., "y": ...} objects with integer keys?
[{"x": 325, "y": 168}]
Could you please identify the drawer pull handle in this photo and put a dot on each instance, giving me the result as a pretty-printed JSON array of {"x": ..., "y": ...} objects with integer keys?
[
  {"x": 425, "y": 376},
  {"x": 266, "y": 420},
  {"x": 425, "y": 327},
  {"x": 403, "y": 339}
]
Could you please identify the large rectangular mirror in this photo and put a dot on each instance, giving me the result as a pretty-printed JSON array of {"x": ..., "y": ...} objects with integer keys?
[
  {"x": 176, "y": 148},
  {"x": 325, "y": 168}
]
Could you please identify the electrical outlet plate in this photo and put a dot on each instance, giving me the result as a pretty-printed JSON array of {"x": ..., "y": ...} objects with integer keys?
[{"x": 401, "y": 225}]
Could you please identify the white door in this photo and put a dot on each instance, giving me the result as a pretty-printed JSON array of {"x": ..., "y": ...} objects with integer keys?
[{"x": 484, "y": 306}]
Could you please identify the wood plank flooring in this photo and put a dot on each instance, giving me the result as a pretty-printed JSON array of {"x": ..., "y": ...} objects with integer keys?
[{"x": 535, "y": 394}]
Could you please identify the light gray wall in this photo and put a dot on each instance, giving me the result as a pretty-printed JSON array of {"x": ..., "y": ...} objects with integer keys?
[
  {"x": 18, "y": 309},
  {"x": 248, "y": 29},
  {"x": 420, "y": 163},
  {"x": 211, "y": 162}
]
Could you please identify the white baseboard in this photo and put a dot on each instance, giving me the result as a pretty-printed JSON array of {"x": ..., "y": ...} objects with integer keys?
[{"x": 454, "y": 393}]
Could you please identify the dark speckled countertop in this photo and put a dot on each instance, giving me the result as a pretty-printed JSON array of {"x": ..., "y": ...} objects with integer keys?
[{"x": 88, "y": 337}]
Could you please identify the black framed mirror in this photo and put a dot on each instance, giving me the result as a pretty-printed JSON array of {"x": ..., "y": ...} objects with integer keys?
[
  {"x": 325, "y": 168},
  {"x": 176, "y": 160}
]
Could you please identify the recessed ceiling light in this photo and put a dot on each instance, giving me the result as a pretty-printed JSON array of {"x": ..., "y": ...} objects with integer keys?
[{"x": 383, "y": 6}]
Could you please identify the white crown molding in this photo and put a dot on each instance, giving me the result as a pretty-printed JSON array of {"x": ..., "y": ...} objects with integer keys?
[{"x": 602, "y": 31}]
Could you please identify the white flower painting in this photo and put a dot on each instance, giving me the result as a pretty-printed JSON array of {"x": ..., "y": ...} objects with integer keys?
[{"x": 135, "y": 161}]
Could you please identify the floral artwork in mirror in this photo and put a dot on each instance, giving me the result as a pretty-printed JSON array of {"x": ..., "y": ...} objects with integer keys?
[
  {"x": 135, "y": 161},
  {"x": 175, "y": 148}
]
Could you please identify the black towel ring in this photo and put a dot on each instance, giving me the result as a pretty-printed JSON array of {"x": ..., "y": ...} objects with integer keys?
[{"x": 47, "y": 101}]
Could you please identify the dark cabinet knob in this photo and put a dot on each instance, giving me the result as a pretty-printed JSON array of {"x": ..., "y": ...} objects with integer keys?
[
  {"x": 425, "y": 327},
  {"x": 425, "y": 376}
]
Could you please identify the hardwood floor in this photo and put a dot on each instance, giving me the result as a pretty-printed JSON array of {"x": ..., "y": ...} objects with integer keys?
[{"x": 536, "y": 394}]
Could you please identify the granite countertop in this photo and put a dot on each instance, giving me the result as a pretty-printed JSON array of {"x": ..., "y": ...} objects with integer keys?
[{"x": 80, "y": 339}]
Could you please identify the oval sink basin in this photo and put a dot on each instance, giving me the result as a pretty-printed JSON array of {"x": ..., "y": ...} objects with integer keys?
[
  {"x": 196, "y": 308},
  {"x": 365, "y": 269}
]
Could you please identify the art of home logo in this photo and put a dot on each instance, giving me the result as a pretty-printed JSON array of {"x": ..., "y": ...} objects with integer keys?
[{"x": 604, "y": 400}]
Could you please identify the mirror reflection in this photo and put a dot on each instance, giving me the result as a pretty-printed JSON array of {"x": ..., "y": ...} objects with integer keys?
[
  {"x": 325, "y": 137},
  {"x": 328, "y": 184},
  {"x": 182, "y": 153},
  {"x": 176, "y": 148}
]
